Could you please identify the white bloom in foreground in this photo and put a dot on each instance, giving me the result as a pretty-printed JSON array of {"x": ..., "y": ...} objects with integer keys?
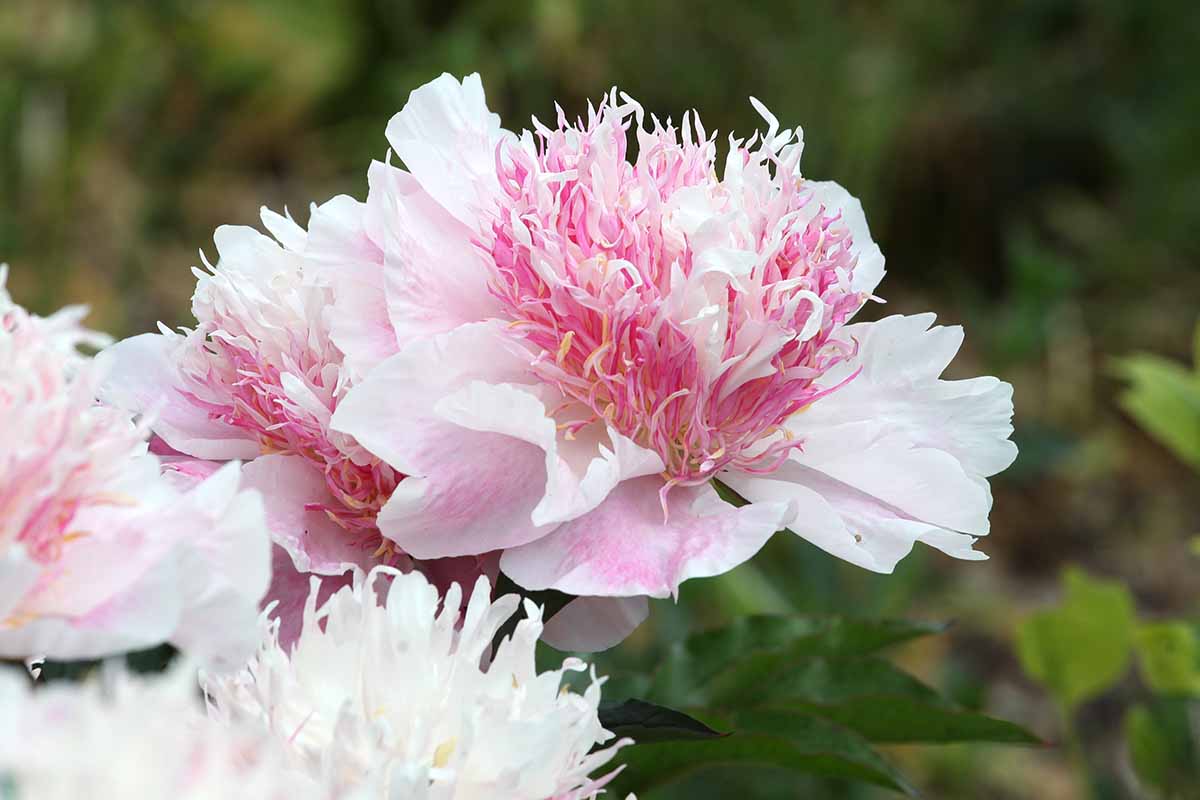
[
  {"x": 130, "y": 738},
  {"x": 100, "y": 551},
  {"x": 386, "y": 693}
]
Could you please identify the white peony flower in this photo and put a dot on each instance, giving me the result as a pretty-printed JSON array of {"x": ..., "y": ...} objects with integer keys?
[
  {"x": 129, "y": 738},
  {"x": 386, "y": 693}
]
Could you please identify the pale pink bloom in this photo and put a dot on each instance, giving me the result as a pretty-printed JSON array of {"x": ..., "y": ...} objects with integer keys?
[
  {"x": 259, "y": 379},
  {"x": 100, "y": 552},
  {"x": 587, "y": 340},
  {"x": 123, "y": 737}
]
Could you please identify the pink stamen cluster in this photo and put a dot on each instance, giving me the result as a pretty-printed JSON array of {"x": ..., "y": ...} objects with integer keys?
[
  {"x": 597, "y": 274},
  {"x": 62, "y": 454},
  {"x": 262, "y": 360}
]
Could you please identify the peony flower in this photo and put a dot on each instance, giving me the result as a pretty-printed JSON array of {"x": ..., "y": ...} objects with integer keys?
[
  {"x": 586, "y": 340},
  {"x": 99, "y": 551},
  {"x": 259, "y": 379},
  {"x": 128, "y": 737},
  {"x": 386, "y": 693}
]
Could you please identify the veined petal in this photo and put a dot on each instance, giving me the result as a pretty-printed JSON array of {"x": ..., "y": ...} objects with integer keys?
[
  {"x": 467, "y": 491},
  {"x": 626, "y": 548},
  {"x": 896, "y": 455}
]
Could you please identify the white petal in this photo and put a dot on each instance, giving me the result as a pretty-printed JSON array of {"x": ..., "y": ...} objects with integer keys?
[{"x": 447, "y": 138}]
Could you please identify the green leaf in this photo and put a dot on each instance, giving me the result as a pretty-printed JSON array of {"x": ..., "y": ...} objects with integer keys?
[
  {"x": 781, "y": 739},
  {"x": 683, "y": 678},
  {"x": 1162, "y": 747},
  {"x": 1149, "y": 750},
  {"x": 647, "y": 722},
  {"x": 1082, "y": 648},
  {"x": 896, "y": 719},
  {"x": 1164, "y": 398},
  {"x": 1169, "y": 655},
  {"x": 773, "y": 675}
]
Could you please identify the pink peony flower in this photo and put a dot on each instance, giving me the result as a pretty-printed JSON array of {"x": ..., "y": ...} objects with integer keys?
[
  {"x": 260, "y": 377},
  {"x": 585, "y": 340},
  {"x": 99, "y": 551}
]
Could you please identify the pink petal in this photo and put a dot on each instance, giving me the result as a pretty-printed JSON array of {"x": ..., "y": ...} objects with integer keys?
[
  {"x": 592, "y": 624},
  {"x": 433, "y": 279},
  {"x": 140, "y": 377},
  {"x": 625, "y": 548},
  {"x": 896, "y": 455},
  {"x": 289, "y": 591},
  {"x": 289, "y": 484},
  {"x": 467, "y": 492}
]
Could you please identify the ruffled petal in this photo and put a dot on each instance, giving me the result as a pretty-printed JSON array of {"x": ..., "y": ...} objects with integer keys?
[
  {"x": 896, "y": 455},
  {"x": 467, "y": 491},
  {"x": 869, "y": 269},
  {"x": 625, "y": 547},
  {"x": 141, "y": 377},
  {"x": 447, "y": 138}
]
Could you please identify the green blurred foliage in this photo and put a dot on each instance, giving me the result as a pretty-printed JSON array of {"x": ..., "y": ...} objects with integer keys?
[
  {"x": 1084, "y": 646},
  {"x": 1029, "y": 168},
  {"x": 1082, "y": 650},
  {"x": 1164, "y": 398}
]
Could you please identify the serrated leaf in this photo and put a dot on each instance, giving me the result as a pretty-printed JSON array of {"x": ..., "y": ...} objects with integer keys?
[
  {"x": 646, "y": 722},
  {"x": 785, "y": 740},
  {"x": 1169, "y": 657},
  {"x": 1083, "y": 647},
  {"x": 766, "y": 643}
]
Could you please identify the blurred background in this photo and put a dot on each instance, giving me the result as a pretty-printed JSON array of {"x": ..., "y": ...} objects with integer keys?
[{"x": 1030, "y": 169}]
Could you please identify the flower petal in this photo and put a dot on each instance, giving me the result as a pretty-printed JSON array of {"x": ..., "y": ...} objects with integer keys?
[
  {"x": 467, "y": 491},
  {"x": 346, "y": 257},
  {"x": 141, "y": 377},
  {"x": 289, "y": 592},
  {"x": 592, "y": 624},
  {"x": 289, "y": 485},
  {"x": 625, "y": 548},
  {"x": 433, "y": 279},
  {"x": 447, "y": 138},
  {"x": 896, "y": 455},
  {"x": 869, "y": 270}
]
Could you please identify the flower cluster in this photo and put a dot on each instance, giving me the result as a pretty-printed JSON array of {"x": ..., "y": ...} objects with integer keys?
[{"x": 547, "y": 354}]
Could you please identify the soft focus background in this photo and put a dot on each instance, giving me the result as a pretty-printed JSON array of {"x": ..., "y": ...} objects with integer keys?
[{"x": 1030, "y": 169}]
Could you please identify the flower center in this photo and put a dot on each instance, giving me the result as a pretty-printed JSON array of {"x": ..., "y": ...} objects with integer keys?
[
  {"x": 692, "y": 315},
  {"x": 289, "y": 415}
]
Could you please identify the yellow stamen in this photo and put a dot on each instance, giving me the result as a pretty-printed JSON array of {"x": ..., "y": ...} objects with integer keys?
[
  {"x": 565, "y": 347},
  {"x": 441, "y": 756}
]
